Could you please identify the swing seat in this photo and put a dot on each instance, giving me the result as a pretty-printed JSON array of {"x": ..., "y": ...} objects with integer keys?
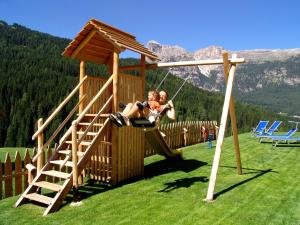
[{"x": 141, "y": 122}]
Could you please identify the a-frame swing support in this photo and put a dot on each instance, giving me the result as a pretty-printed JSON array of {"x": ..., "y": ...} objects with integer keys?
[{"x": 228, "y": 106}]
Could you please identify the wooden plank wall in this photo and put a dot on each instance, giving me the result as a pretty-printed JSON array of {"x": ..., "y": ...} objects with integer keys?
[
  {"x": 130, "y": 154},
  {"x": 180, "y": 134},
  {"x": 99, "y": 167}
]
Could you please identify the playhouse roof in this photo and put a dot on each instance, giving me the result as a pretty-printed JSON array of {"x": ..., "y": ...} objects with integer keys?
[{"x": 97, "y": 40}]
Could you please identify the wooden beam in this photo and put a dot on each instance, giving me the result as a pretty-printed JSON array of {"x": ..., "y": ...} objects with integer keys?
[
  {"x": 115, "y": 130},
  {"x": 233, "y": 117},
  {"x": 216, "y": 161},
  {"x": 115, "y": 80},
  {"x": 200, "y": 62},
  {"x": 81, "y": 90},
  {"x": 83, "y": 43},
  {"x": 142, "y": 72},
  {"x": 40, "y": 159},
  {"x": 91, "y": 58}
]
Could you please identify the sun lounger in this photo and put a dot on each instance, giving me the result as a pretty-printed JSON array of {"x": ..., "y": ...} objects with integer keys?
[
  {"x": 261, "y": 127},
  {"x": 273, "y": 128},
  {"x": 287, "y": 140},
  {"x": 281, "y": 136}
]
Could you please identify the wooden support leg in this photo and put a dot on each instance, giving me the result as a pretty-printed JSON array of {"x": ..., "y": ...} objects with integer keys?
[
  {"x": 233, "y": 117},
  {"x": 215, "y": 166}
]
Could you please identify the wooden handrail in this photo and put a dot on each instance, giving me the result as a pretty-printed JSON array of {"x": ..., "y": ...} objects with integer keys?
[
  {"x": 56, "y": 111},
  {"x": 63, "y": 123},
  {"x": 94, "y": 120},
  {"x": 87, "y": 108}
]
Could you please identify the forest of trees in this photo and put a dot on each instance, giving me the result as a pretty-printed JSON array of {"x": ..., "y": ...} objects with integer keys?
[{"x": 35, "y": 78}]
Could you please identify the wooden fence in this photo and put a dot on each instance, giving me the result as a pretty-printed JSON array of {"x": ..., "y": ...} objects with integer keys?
[
  {"x": 185, "y": 133},
  {"x": 14, "y": 175}
]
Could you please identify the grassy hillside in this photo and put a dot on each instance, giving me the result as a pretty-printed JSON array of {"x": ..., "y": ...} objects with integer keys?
[
  {"x": 172, "y": 193},
  {"x": 276, "y": 98}
]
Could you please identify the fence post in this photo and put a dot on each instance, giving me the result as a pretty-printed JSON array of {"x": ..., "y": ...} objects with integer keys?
[
  {"x": 40, "y": 160},
  {"x": 18, "y": 174},
  {"x": 27, "y": 160},
  {"x": 8, "y": 176},
  {"x": 0, "y": 180}
]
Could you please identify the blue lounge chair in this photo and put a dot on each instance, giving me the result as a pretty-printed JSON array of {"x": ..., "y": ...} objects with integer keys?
[
  {"x": 281, "y": 136},
  {"x": 270, "y": 130},
  {"x": 261, "y": 127},
  {"x": 286, "y": 140}
]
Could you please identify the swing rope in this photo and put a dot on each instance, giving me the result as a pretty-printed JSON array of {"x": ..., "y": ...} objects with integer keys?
[{"x": 162, "y": 81}]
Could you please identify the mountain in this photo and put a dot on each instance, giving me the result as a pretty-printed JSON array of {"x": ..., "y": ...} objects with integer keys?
[
  {"x": 267, "y": 76},
  {"x": 35, "y": 78}
]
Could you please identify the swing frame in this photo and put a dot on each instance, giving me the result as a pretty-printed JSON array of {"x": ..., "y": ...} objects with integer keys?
[
  {"x": 228, "y": 107},
  {"x": 229, "y": 66}
]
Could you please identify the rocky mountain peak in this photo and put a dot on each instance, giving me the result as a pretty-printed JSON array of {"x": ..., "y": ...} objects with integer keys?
[{"x": 268, "y": 64}]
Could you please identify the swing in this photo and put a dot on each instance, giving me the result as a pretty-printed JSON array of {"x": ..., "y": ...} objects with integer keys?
[{"x": 143, "y": 122}]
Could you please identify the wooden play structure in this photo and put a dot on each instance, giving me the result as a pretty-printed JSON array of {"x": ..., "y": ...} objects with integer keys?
[{"x": 114, "y": 154}]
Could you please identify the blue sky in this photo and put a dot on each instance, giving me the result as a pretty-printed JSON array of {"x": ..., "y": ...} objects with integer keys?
[{"x": 192, "y": 24}]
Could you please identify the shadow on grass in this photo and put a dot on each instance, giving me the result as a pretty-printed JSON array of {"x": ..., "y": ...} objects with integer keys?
[
  {"x": 87, "y": 190},
  {"x": 259, "y": 174},
  {"x": 183, "y": 183},
  {"x": 154, "y": 169},
  {"x": 284, "y": 145},
  {"x": 167, "y": 166}
]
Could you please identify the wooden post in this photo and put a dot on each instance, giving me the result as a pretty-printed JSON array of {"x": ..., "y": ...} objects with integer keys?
[
  {"x": 40, "y": 160},
  {"x": 115, "y": 130},
  {"x": 75, "y": 160},
  {"x": 115, "y": 80},
  {"x": 81, "y": 105},
  {"x": 142, "y": 71},
  {"x": 215, "y": 166},
  {"x": 233, "y": 117},
  {"x": 81, "y": 89}
]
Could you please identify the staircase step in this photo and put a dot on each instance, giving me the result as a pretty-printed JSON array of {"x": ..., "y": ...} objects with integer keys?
[
  {"x": 95, "y": 124},
  {"x": 81, "y": 143},
  {"x": 67, "y": 152},
  {"x": 48, "y": 185},
  {"x": 39, "y": 198},
  {"x": 60, "y": 162},
  {"x": 88, "y": 133},
  {"x": 54, "y": 173},
  {"x": 93, "y": 115}
]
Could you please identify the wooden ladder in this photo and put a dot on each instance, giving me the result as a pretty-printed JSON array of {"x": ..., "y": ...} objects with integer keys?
[{"x": 61, "y": 158}]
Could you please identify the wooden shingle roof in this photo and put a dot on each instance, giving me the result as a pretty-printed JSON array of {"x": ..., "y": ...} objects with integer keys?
[{"x": 97, "y": 40}]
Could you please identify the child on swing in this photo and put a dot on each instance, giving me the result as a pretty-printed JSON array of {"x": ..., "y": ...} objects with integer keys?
[{"x": 137, "y": 110}]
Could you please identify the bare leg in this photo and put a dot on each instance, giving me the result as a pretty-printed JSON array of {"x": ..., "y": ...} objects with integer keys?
[
  {"x": 133, "y": 112},
  {"x": 127, "y": 108}
]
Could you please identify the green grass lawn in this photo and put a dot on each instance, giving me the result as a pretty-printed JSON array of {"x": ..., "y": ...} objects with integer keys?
[{"x": 173, "y": 192}]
